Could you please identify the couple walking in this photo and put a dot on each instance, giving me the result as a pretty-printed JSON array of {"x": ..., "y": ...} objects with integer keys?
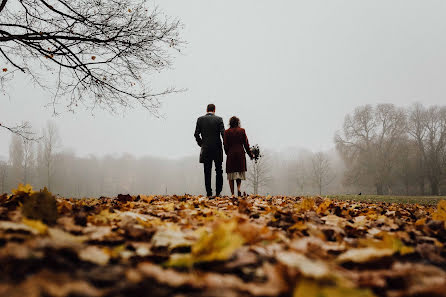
[{"x": 208, "y": 133}]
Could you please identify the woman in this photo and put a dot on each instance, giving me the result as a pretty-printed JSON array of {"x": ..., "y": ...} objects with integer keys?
[{"x": 236, "y": 143}]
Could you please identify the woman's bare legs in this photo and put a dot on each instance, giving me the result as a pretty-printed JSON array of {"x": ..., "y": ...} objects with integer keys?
[
  {"x": 239, "y": 183},
  {"x": 231, "y": 186}
]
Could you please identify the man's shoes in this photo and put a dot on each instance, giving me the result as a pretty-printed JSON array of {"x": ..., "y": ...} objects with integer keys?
[{"x": 217, "y": 195}]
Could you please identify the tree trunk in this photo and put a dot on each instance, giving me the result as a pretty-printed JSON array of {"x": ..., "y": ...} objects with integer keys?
[
  {"x": 379, "y": 189},
  {"x": 434, "y": 187},
  {"x": 48, "y": 176},
  {"x": 421, "y": 186}
]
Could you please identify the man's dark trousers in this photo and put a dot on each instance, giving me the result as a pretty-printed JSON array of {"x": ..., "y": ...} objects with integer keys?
[
  {"x": 209, "y": 133},
  {"x": 218, "y": 177}
]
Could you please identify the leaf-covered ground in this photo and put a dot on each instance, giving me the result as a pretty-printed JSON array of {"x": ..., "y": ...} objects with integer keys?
[
  {"x": 199, "y": 246},
  {"x": 424, "y": 200}
]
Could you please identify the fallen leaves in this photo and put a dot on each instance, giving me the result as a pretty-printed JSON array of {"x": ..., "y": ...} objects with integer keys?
[
  {"x": 95, "y": 255},
  {"x": 192, "y": 245},
  {"x": 311, "y": 288},
  {"x": 216, "y": 245},
  {"x": 40, "y": 206},
  {"x": 362, "y": 255},
  {"x": 440, "y": 213},
  {"x": 23, "y": 190},
  {"x": 40, "y": 227}
]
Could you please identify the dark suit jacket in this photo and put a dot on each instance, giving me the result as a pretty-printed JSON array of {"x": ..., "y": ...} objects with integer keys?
[
  {"x": 236, "y": 143},
  {"x": 208, "y": 131}
]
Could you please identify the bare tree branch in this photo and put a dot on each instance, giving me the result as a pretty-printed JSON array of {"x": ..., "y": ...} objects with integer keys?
[
  {"x": 95, "y": 53},
  {"x": 23, "y": 130},
  {"x": 3, "y": 4}
]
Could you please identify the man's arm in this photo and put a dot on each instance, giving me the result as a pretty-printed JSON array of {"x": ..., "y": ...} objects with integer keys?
[
  {"x": 221, "y": 128},
  {"x": 225, "y": 143},
  {"x": 197, "y": 133}
]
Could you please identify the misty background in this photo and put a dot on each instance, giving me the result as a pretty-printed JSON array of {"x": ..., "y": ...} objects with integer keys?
[{"x": 291, "y": 70}]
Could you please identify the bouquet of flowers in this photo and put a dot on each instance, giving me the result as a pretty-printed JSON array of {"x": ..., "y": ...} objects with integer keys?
[{"x": 255, "y": 152}]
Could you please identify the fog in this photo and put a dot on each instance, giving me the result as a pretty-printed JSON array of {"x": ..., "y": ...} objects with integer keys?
[
  {"x": 291, "y": 70},
  {"x": 380, "y": 149},
  {"x": 286, "y": 173}
]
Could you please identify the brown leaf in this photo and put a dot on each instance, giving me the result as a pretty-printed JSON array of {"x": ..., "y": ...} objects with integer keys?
[{"x": 41, "y": 206}]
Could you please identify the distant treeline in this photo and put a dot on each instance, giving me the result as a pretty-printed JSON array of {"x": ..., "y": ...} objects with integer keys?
[
  {"x": 395, "y": 150},
  {"x": 43, "y": 164},
  {"x": 380, "y": 149}
]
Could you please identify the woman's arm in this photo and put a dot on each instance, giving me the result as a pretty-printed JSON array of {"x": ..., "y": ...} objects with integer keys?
[{"x": 246, "y": 145}]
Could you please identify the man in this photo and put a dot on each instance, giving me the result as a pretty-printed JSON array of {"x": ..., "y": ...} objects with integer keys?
[{"x": 208, "y": 131}]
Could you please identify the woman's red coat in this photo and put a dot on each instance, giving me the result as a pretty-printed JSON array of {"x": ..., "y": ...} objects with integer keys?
[{"x": 236, "y": 143}]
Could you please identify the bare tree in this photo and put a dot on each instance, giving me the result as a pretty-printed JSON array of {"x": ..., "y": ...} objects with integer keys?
[
  {"x": 28, "y": 159},
  {"x": 94, "y": 53},
  {"x": 321, "y": 171},
  {"x": 3, "y": 176},
  {"x": 370, "y": 143},
  {"x": 51, "y": 141},
  {"x": 258, "y": 175},
  {"x": 16, "y": 158},
  {"x": 435, "y": 145},
  {"x": 301, "y": 176},
  {"x": 416, "y": 128},
  {"x": 407, "y": 166},
  {"x": 390, "y": 138},
  {"x": 355, "y": 145}
]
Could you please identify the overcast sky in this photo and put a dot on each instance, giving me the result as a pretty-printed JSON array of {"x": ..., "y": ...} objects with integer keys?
[{"x": 290, "y": 70}]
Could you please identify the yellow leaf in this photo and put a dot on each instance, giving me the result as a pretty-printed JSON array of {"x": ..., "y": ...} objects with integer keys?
[
  {"x": 105, "y": 217},
  {"x": 36, "y": 225},
  {"x": 299, "y": 225},
  {"x": 420, "y": 222},
  {"x": 307, "y": 288},
  {"x": 116, "y": 251},
  {"x": 149, "y": 223},
  {"x": 180, "y": 260},
  {"x": 23, "y": 189},
  {"x": 218, "y": 245},
  {"x": 168, "y": 206},
  {"x": 387, "y": 241},
  {"x": 306, "y": 204},
  {"x": 311, "y": 288},
  {"x": 440, "y": 214},
  {"x": 324, "y": 206}
]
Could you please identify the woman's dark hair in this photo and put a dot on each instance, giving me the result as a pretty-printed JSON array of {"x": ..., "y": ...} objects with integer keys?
[{"x": 234, "y": 122}]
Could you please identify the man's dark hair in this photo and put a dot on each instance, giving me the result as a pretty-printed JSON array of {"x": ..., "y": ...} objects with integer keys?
[
  {"x": 234, "y": 122},
  {"x": 211, "y": 108}
]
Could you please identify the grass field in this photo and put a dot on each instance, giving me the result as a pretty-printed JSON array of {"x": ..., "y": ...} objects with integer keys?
[{"x": 424, "y": 200}]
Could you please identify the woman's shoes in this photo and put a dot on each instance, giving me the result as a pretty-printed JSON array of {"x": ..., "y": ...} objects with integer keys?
[{"x": 239, "y": 194}]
